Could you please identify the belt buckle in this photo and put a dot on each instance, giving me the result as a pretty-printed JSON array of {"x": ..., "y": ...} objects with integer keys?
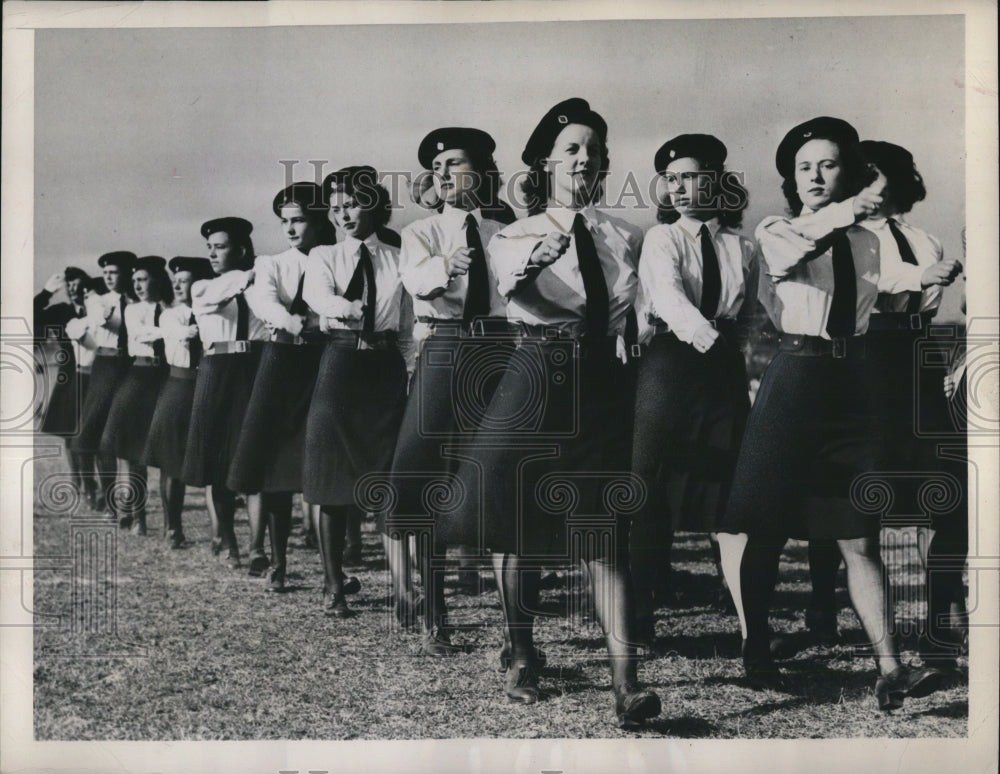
[
  {"x": 636, "y": 350},
  {"x": 839, "y": 347},
  {"x": 241, "y": 346},
  {"x": 358, "y": 342},
  {"x": 477, "y": 328},
  {"x": 916, "y": 322},
  {"x": 155, "y": 361}
]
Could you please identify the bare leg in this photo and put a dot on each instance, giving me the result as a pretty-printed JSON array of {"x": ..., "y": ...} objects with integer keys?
[
  {"x": 868, "y": 587},
  {"x": 224, "y": 502},
  {"x": 172, "y": 493},
  {"x": 731, "y": 557},
  {"x": 258, "y": 527}
]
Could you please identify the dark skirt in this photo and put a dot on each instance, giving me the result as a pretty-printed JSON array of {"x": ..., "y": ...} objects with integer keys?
[
  {"x": 62, "y": 416},
  {"x": 810, "y": 438},
  {"x": 549, "y": 476},
  {"x": 168, "y": 430},
  {"x": 690, "y": 412},
  {"x": 271, "y": 446},
  {"x": 131, "y": 412},
  {"x": 106, "y": 375},
  {"x": 451, "y": 389},
  {"x": 354, "y": 417},
  {"x": 221, "y": 393}
]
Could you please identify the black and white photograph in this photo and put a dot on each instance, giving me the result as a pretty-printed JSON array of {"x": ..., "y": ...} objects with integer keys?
[{"x": 499, "y": 386}]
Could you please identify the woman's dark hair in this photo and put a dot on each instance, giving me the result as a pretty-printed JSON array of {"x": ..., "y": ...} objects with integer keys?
[
  {"x": 161, "y": 289},
  {"x": 239, "y": 239},
  {"x": 535, "y": 186},
  {"x": 316, "y": 216},
  {"x": 96, "y": 285},
  {"x": 71, "y": 273},
  {"x": 728, "y": 192},
  {"x": 856, "y": 175},
  {"x": 372, "y": 197},
  {"x": 905, "y": 184}
]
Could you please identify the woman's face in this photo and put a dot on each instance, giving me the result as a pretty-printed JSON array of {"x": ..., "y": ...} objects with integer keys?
[
  {"x": 182, "y": 287},
  {"x": 301, "y": 232},
  {"x": 819, "y": 174},
  {"x": 350, "y": 217},
  {"x": 113, "y": 278},
  {"x": 74, "y": 289},
  {"x": 222, "y": 253},
  {"x": 140, "y": 284},
  {"x": 455, "y": 177},
  {"x": 689, "y": 188},
  {"x": 574, "y": 165}
]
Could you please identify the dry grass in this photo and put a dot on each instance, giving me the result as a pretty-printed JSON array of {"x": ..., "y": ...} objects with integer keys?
[{"x": 203, "y": 652}]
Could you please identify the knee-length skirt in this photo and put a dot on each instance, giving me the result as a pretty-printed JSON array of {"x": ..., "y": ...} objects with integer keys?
[
  {"x": 221, "y": 393},
  {"x": 106, "y": 375},
  {"x": 353, "y": 421},
  {"x": 690, "y": 412},
  {"x": 810, "y": 440},
  {"x": 65, "y": 409},
  {"x": 271, "y": 447},
  {"x": 132, "y": 411},
  {"x": 549, "y": 478},
  {"x": 168, "y": 430}
]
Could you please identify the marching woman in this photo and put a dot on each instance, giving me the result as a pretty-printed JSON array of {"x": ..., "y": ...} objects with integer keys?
[
  {"x": 569, "y": 274},
  {"x": 698, "y": 284},
  {"x": 232, "y": 338},
  {"x": 357, "y": 405},
  {"x": 443, "y": 265},
  {"x": 812, "y": 431},
  {"x": 107, "y": 325},
  {"x": 62, "y": 414},
  {"x": 168, "y": 429},
  {"x": 269, "y": 454},
  {"x": 135, "y": 401}
]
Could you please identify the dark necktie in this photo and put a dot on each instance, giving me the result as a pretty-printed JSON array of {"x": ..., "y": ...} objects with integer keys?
[
  {"x": 122, "y": 333},
  {"x": 299, "y": 306},
  {"x": 364, "y": 275},
  {"x": 711, "y": 280},
  {"x": 194, "y": 345},
  {"x": 242, "y": 318},
  {"x": 159, "y": 346},
  {"x": 594, "y": 285},
  {"x": 477, "y": 298},
  {"x": 906, "y": 253},
  {"x": 843, "y": 306}
]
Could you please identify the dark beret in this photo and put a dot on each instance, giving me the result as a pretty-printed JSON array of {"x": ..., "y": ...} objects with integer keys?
[
  {"x": 893, "y": 160},
  {"x": 121, "y": 258},
  {"x": 452, "y": 137},
  {"x": 150, "y": 262},
  {"x": 75, "y": 273},
  {"x": 570, "y": 111},
  {"x": 822, "y": 128},
  {"x": 309, "y": 196},
  {"x": 200, "y": 268},
  {"x": 350, "y": 179},
  {"x": 709, "y": 150},
  {"x": 231, "y": 225}
]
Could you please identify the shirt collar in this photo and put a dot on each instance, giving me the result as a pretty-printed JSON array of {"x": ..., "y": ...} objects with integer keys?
[
  {"x": 458, "y": 216},
  {"x": 693, "y": 226},
  {"x": 564, "y": 217},
  {"x": 353, "y": 244}
]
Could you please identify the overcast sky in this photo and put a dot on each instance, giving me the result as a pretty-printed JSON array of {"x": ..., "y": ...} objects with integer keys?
[{"x": 142, "y": 134}]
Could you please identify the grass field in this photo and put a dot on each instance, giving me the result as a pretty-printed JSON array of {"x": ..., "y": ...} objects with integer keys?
[{"x": 194, "y": 651}]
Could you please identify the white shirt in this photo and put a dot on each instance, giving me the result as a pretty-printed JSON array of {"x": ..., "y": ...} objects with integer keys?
[
  {"x": 175, "y": 326},
  {"x": 84, "y": 343},
  {"x": 215, "y": 308},
  {"x": 275, "y": 285},
  {"x": 142, "y": 331},
  {"x": 104, "y": 329},
  {"x": 671, "y": 275},
  {"x": 329, "y": 270},
  {"x": 897, "y": 278},
  {"x": 796, "y": 283},
  {"x": 555, "y": 296}
]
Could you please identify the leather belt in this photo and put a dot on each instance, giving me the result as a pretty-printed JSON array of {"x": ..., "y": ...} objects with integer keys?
[
  {"x": 179, "y": 372},
  {"x": 898, "y": 321},
  {"x": 109, "y": 352},
  {"x": 359, "y": 340},
  {"x": 481, "y": 326},
  {"x": 146, "y": 362},
  {"x": 233, "y": 347},
  {"x": 817, "y": 346},
  {"x": 306, "y": 337}
]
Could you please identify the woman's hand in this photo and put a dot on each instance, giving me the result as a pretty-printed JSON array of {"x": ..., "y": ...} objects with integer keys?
[
  {"x": 354, "y": 312},
  {"x": 54, "y": 283},
  {"x": 704, "y": 338},
  {"x": 460, "y": 262},
  {"x": 550, "y": 249},
  {"x": 867, "y": 203},
  {"x": 941, "y": 273}
]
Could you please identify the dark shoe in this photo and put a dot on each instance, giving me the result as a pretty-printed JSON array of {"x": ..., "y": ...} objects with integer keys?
[
  {"x": 943, "y": 656},
  {"x": 258, "y": 565},
  {"x": 822, "y": 627},
  {"x": 216, "y": 546},
  {"x": 276, "y": 580},
  {"x": 762, "y": 674},
  {"x": 538, "y": 660},
  {"x": 437, "y": 642},
  {"x": 352, "y": 556},
  {"x": 124, "y": 522},
  {"x": 335, "y": 606},
  {"x": 906, "y": 682},
  {"x": 351, "y": 585},
  {"x": 521, "y": 683},
  {"x": 786, "y": 646},
  {"x": 634, "y": 706},
  {"x": 233, "y": 560}
]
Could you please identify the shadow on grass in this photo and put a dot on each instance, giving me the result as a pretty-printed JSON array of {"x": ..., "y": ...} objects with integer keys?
[
  {"x": 953, "y": 709},
  {"x": 684, "y": 727}
]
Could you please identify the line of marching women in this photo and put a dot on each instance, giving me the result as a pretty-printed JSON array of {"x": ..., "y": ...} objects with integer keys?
[{"x": 532, "y": 366}]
